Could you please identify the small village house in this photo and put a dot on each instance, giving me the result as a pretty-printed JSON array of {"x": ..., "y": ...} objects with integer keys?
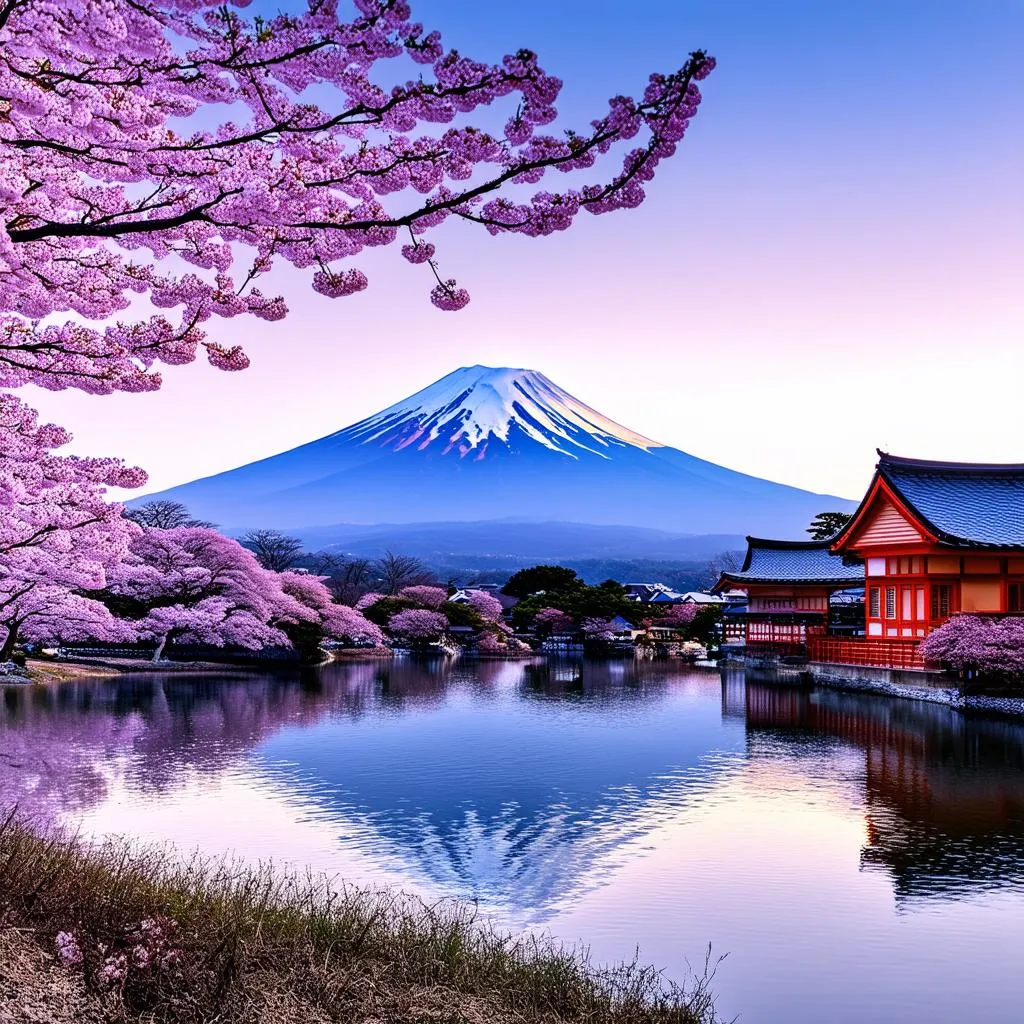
[{"x": 788, "y": 585}]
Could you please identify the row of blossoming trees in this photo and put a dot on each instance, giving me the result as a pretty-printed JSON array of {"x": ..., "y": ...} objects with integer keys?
[{"x": 158, "y": 159}]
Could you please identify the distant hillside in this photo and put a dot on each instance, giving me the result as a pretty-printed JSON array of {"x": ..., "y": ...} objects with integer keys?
[{"x": 504, "y": 541}]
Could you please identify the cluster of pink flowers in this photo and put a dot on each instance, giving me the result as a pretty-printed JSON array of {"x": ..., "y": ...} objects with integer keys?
[
  {"x": 204, "y": 588},
  {"x": 678, "y": 615},
  {"x": 338, "y": 622},
  {"x": 425, "y": 596},
  {"x": 68, "y": 950},
  {"x": 59, "y": 536},
  {"x": 597, "y": 630},
  {"x": 418, "y": 624},
  {"x": 146, "y": 948},
  {"x": 992, "y": 646},
  {"x": 115, "y": 159},
  {"x": 553, "y": 620},
  {"x": 487, "y": 606}
]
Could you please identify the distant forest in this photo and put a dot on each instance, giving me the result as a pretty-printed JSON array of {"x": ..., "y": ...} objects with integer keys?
[{"x": 679, "y": 575}]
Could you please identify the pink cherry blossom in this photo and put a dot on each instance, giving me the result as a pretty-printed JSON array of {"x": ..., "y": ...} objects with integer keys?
[
  {"x": 418, "y": 625},
  {"x": 338, "y": 621},
  {"x": 425, "y": 596},
  {"x": 553, "y": 620},
  {"x": 486, "y": 605},
  {"x": 678, "y": 615},
  {"x": 368, "y": 600},
  {"x": 194, "y": 585},
  {"x": 985, "y": 644},
  {"x": 59, "y": 536},
  {"x": 159, "y": 158}
]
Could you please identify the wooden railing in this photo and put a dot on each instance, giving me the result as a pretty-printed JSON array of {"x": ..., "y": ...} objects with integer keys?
[
  {"x": 879, "y": 653},
  {"x": 775, "y": 649}
]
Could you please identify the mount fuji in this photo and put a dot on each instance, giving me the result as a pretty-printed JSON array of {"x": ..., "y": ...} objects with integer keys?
[{"x": 486, "y": 443}]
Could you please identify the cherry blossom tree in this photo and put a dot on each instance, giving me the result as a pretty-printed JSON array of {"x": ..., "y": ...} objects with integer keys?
[
  {"x": 195, "y": 585},
  {"x": 368, "y": 600},
  {"x": 426, "y": 597},
  {"x": 160, "y": 156},
  {"x": 597, "y": 630},
  {"x": 336, "y": 621},
  {"x": 59, "y": 535},
  {"x": 418, "y": 625},
  {"x": 991, "y": 646},
  {"x": 678, "y": 616},
  {"x": 486, "y": 605},
  {"x": 47, "y": 612},
  {"x": 553, "y": 620}
]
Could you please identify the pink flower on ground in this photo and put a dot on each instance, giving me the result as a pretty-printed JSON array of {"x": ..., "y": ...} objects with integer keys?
[{"x": 68, "y": 950}]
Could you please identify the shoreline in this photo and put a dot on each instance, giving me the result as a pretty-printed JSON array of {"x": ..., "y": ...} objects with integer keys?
[{"x": 121, "y": 931}]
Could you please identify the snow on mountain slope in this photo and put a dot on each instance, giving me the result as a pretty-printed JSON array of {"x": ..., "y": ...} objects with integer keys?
[
  {"x": 487, "y": 443},
  {"x": 474, "y": 407}
]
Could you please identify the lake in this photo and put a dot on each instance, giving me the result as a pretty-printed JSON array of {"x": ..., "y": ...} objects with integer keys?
[{"x": 858, "y": 858}]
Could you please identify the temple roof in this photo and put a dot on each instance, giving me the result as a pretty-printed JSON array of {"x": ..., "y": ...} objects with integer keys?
[
  {"x": 792, "y": 561},
  {"x": 963, "y": 504}
]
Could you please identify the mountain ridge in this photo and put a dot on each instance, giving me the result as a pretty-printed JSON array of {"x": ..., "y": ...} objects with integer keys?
[{"x": 488, "y": 443}]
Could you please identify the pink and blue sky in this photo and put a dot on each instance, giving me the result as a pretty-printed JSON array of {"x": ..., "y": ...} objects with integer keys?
[{"x": 832, "y": 263}]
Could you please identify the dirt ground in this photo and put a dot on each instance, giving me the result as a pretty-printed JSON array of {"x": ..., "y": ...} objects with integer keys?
[{"x": 35, "y": 989}]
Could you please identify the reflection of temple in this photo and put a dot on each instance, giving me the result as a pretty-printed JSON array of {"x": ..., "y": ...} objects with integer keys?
[{"x": 944, "y": 793}]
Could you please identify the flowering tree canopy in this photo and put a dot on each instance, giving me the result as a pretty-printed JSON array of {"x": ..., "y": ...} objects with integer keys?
[
  {"x": 337, "y": 621},
  {"x": 196, "y": 585},
  {"x": 48, "y": 612},
  {"x": 678, "y": 615},
  {"x": 58, "y": 534},
  {"x": 990, "y": 646},
  {"x": 597, "y": 630},
  {"x": 426, "y": 597},
  {"x": 418, "y": 624},
  {"x": 368, "y": 600},
  {"x": 487, "y": 606},
  {"x": 553, "y": 620},
  {"x": 126, "y": 190}
]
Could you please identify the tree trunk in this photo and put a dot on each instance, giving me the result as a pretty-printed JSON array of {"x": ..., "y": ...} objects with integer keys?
[
  {"x": 7, "y": 649},
  {"x": 158, "y": 653}
]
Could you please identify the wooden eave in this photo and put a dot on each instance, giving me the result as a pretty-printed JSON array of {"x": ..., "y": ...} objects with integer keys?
[{"x": 842, "y": 544}]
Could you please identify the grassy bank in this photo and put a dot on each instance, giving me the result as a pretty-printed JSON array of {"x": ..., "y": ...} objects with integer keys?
[{"x": 143, "y": 936}]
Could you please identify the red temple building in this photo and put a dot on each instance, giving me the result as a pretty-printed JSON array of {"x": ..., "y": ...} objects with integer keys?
[
  {"x": 929, "y": 540},
  {"x": 935, "y": 538}
]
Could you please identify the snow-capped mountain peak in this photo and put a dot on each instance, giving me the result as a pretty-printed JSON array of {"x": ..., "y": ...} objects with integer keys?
[{"x": 476, "y": 407}]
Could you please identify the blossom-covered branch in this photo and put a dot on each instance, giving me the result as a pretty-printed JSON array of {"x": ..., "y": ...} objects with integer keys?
[{"x": 116, "y": 167}]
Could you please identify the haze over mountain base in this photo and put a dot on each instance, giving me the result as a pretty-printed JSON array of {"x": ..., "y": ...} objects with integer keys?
[{"x": 489, "y": 444}]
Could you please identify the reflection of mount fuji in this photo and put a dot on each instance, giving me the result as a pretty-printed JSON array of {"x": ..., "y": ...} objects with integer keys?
[
  {"x": 521, "y": 784},
  {"x": 517, "y": 803},
  {"x": 945, "y": 793},
  {"x": 513, "y": 805}
]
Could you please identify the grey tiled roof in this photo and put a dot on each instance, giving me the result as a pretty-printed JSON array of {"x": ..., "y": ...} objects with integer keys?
[
  {"x": 965, "y": 504},
  {"x": 782, "y": 561}
]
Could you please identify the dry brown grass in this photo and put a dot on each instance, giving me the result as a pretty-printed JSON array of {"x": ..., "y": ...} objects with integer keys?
[{"x": 206, "y": 940}]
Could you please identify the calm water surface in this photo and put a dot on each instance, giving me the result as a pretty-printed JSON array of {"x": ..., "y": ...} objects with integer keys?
[{"x": 859, "y": 859}]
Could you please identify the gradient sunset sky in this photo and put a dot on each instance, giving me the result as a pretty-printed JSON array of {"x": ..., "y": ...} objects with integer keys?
[{"x": 833, "y": 262}]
